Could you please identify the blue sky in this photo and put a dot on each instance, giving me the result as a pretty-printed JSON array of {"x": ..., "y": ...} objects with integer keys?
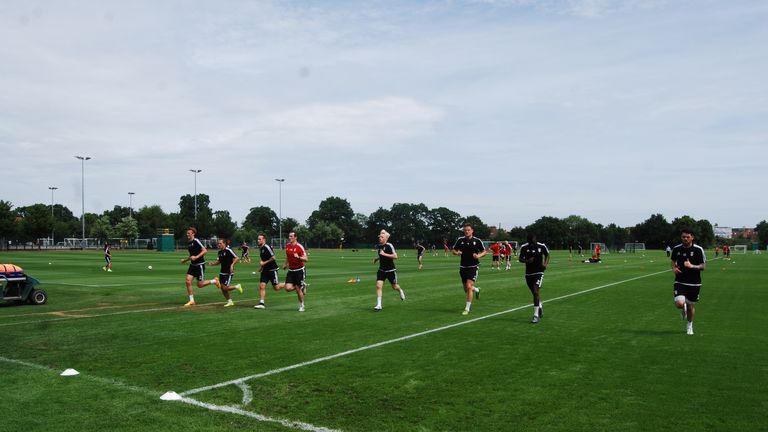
[{"x": 508, "y": 110}]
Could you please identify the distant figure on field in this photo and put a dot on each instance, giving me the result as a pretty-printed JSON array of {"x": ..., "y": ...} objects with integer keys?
[
  {"x": 535, "y": 256},
  {"x": 107, "y": 257},
  {"x": 386, "y": 258}
]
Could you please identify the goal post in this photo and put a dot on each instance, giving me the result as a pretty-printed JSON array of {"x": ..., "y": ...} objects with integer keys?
[
  {"x": 739, "y": 249},
  {"x": 634, "y": 247}
]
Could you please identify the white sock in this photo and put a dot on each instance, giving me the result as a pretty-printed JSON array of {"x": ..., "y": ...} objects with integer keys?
[
  {"x": 191, "y": 298},
  {"x": 468, "y": 306},
  {"x": 213, "y": 281},
  {"x": 378, "y": 301},
  {"x": 535, "y": 311}
]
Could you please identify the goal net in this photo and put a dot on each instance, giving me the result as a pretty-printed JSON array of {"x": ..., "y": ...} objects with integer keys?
[
  {"x": 634, "y": 247},
  {"x": 603, "y": 248},
  {"x": 739, "y": 249}
]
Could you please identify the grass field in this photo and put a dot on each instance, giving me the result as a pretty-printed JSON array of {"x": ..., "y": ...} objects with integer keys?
[{"x": 610, "y": 354}]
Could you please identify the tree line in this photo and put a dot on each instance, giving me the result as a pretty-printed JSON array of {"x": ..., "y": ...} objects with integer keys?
[{"x": 334, "y": 223}]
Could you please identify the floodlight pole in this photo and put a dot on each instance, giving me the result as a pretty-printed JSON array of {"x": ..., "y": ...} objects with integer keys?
[
  {"x": 82, "y": 177},
  {"x": 53, "y": 221},
  {"x": 280, "y": 211},
  {"x": 195, "y": 171},
  {"x": 130, "y": 203}
]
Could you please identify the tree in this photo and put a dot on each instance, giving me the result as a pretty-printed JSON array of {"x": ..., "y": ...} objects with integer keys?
[
  {"x": 127, "y": 228},
  {"x": 762, "y": 233},
  {"x": 409, "y": 223},
  {"x": 262, "y": 219},
  {"x": 117, "y": 214},
  {"x": 444, "y": 224},
  {"x": 326, "y": 234},
  {"x": 223, "y": 226},
  {"x": 204, "y": 221},
  {"x": 377, "y": 221},
  {"x": 101, "y": 229},
  {"x": 36, "y": 222},
  {"x": 481, "y": 230},
  {"x": 337, "y": 211},
  {"x": 150, "y": 220},
  {"x": 655, "y": 232},
  {"x": 703, "y": 231},
  {"x": 7, "y": 222},
  {"x": 549, "y": 230}
]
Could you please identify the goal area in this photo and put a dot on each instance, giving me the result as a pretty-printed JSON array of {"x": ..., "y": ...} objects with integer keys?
[{"x": 634, "y": 247}]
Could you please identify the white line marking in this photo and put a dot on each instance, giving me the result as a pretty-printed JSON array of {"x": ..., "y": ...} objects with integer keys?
[
  {"x": 247, "y": 393},
  {"x": 238, "y": 381},
  {"x": 233, "y": 410}
]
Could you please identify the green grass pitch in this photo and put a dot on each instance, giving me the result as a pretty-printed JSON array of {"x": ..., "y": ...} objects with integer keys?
[{"x": 610, "y": 354}]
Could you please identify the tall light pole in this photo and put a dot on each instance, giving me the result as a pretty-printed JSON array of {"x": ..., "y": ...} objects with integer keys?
[
  {"x": 130, "y": 203},
  {"x": 280, "y": 211},
  {"x": 82, "y": 177},
  {"x": 53, "y": 222},
  {"x": 196, "y": 171}
]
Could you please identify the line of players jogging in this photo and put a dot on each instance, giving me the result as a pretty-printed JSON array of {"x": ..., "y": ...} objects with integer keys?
[{"x": 688, "y": 261}]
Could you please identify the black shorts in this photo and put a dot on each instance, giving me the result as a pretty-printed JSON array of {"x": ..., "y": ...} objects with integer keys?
[
  {"x": 295, "y": 277},
  {"x": 391, "y": 276},
  {"x": 269, "y": 276},
  {"x": 225, "y": 279},
  {"x": 691, "y": 293},
  {"x": 495, "y": 258},
  {"x": 108, "y": 259},
  {"x": 534, "y": 281},
  {"x": 468, "y": 273},
  {"x": 197, "y": 271}
]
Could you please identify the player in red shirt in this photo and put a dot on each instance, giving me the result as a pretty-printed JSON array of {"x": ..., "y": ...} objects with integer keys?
[
  {"x": 496, "y": 254},
  {"x": 296, "y": 256}
]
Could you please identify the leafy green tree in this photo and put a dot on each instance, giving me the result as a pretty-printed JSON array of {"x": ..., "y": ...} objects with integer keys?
[
  {"x": 150, "y": 220},
  {"x": 655, "y": 232},
  {"x": 204, "y": 221},
  {"x": 762, "y": 233},
  {"x": 36, "y": 222},
  {"x": 7, "y": 222},
  {"x": 444, "y": 224},
  {"x": 223, "y": 226},
  {"x": 615, "y": 236},
  {"x": 337, "y": 211},
  {"x": 409, "y": 223},
  {"x": 326, "y": 234},
  {"x": 703, "y": 231},
  {"x": 579, "y": 230},
  {"x": 127, "y": 228},
  {"x": 101, "y": 229},
  {"x": 117, "y": 214},
  {"x": 549, "y": 230},
  {"x": 262, "y": 219},
  {"x": 376, "y": 221},
  {"x": 481, "y": 230}
]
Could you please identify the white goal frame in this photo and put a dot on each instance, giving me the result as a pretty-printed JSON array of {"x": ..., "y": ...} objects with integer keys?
[
  {"x": 603, "y": 248},
  {"x": 739, "y": 249},
  {"x": 634, "y": 247}
]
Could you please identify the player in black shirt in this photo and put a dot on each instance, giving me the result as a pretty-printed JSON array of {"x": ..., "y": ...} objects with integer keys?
[
  {"x": 688, "y": 261},
  {"x": 535, "y": 255},
  {"x": 470, "y": 249},
  {"x": 267, "y": 268},
  {"x": 386, "y": 258},
  {"x": 244, "y": 254},
  {"x": 227, "y": 258},
  {"x": 420, "y": 254},
  {"x": 196, "y": 268}
]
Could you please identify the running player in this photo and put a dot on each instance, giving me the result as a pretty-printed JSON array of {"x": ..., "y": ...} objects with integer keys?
[
  {"x": 267, "y": 267},
  {"x": 227, "y": 258},
  {"x": 196, "y": 268},
  {"x": 470, "y": 249},
  {"x": 107, "y": 257},
  {"x": 495, "y": 255},
  {"x": 294, "y": 279},
  {"x": 507, "y": 248},
  {"x": 244, "y": 254},
  {"x": 535, "y": 255},
  {"x": 387, "y": 271},
  {"x": 419, "y": 252},
  {"x": 688, "y": 261}
]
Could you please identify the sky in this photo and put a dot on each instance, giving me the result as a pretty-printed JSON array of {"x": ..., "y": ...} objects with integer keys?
[{"x": 509, "y": 110}]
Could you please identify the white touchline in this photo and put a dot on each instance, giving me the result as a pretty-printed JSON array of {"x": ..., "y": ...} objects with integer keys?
[{"x": 400, "y": 339}]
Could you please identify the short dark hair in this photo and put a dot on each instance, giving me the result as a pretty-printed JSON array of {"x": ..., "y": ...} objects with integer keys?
[
  {"x": 687, "y": 230},
  {"x": 194, "y": 231},
  {"x": 261, "y": 234},
  {"x": 531, "y": 238},
  {"x": 467, "y": 224}
]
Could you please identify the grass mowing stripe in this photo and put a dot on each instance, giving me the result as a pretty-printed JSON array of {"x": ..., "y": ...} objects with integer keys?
[
  {"x": 232, "y": 410},
  {"x": 403, "y": 338}
]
